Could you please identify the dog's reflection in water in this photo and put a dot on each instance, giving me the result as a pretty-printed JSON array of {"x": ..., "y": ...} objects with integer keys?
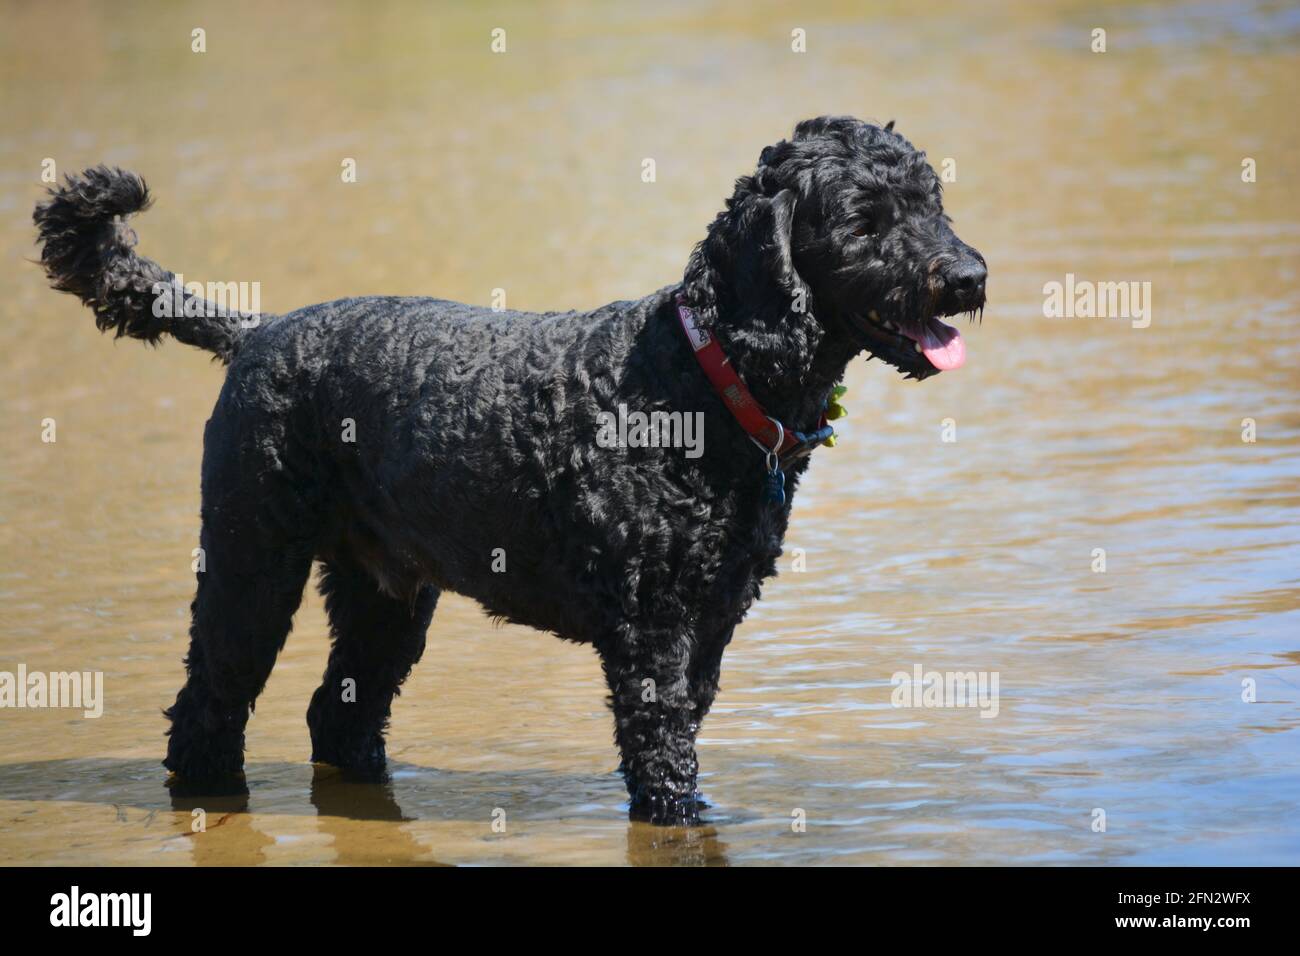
[
  {"x": 649, "y": 845},
  {"x": 240, "y": 843},
  {"x": 342, "y": 803},
  {"x": 339, "y": 803}
]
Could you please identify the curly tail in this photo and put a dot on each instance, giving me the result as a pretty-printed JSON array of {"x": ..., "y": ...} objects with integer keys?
[{"x": 88, "y": 250}]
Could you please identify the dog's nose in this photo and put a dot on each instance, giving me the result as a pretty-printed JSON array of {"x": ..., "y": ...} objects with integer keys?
[{"x": 966, "y": 278}]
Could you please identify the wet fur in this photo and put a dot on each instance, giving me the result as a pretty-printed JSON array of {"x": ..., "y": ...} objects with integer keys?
[{"x": 476, "y": 431}]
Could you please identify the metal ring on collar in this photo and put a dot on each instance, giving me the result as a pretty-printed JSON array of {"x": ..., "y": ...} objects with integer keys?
[{"x": 780, "y": 438}]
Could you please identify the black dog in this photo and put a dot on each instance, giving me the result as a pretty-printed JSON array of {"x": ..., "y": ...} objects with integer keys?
[{"x": 416, "y": 445}]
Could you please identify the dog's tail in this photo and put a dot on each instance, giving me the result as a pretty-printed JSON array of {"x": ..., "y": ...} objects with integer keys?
[{"x": 88, "y": 250}]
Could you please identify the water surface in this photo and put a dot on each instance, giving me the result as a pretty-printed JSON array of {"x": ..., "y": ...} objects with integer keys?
[{"x": 1120, "y": 691}]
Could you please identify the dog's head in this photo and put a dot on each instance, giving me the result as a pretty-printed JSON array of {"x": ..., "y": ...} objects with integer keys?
[{"x": 840, "y": 232}]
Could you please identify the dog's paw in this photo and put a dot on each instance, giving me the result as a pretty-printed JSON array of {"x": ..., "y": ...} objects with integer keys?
[
  {"x": 361, "y": 763},
  {"x": 185, "y": 790},
  {"x": 205, "y": 764},
  {"x": 666, "y": 809}
]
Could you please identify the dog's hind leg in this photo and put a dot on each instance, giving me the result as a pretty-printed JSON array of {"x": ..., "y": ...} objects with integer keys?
[
  {"x": 249, "y": 588},
  {"x": 377, "y": 639}
]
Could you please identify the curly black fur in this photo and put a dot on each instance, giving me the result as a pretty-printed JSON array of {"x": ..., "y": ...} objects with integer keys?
[
  {"x": 87, "y": 249},
  {"x": 476, "y": 431}
]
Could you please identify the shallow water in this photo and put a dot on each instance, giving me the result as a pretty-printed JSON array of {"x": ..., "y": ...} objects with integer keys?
[{"x": 1119, "y": 690}]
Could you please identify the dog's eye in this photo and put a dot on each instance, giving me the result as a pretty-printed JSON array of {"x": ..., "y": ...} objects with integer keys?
[{"x": 861, "y": 232}]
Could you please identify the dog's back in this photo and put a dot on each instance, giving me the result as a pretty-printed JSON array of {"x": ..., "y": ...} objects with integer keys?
[
  {"x": 428, "y": 442},
  {"x": 424, "y": 434}
]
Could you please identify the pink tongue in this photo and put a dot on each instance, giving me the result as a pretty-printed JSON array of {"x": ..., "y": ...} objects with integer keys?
[{"x": 942, "y": 345}]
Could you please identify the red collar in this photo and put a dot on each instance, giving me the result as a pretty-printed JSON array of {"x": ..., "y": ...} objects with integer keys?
[{"x": 768, "y": 433}]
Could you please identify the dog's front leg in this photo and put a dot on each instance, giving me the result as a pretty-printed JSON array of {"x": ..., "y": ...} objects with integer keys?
[{"x": 656, "y": 719}]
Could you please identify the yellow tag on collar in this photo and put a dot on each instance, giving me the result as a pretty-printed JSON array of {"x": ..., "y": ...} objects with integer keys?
[{"x": 834, "y": 409}]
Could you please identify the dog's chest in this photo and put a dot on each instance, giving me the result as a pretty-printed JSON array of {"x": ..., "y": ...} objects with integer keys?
[{"x": 737, "y": 547}]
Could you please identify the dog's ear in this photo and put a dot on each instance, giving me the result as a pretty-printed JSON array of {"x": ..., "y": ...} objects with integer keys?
[
  {"x": 747, "y": 254},
  {"x": 742, "y": 281},
  {"x": 776, "y": 221}
]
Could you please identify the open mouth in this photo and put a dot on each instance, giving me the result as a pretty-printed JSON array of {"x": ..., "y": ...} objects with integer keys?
[{"x": 918, "y": 349}]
